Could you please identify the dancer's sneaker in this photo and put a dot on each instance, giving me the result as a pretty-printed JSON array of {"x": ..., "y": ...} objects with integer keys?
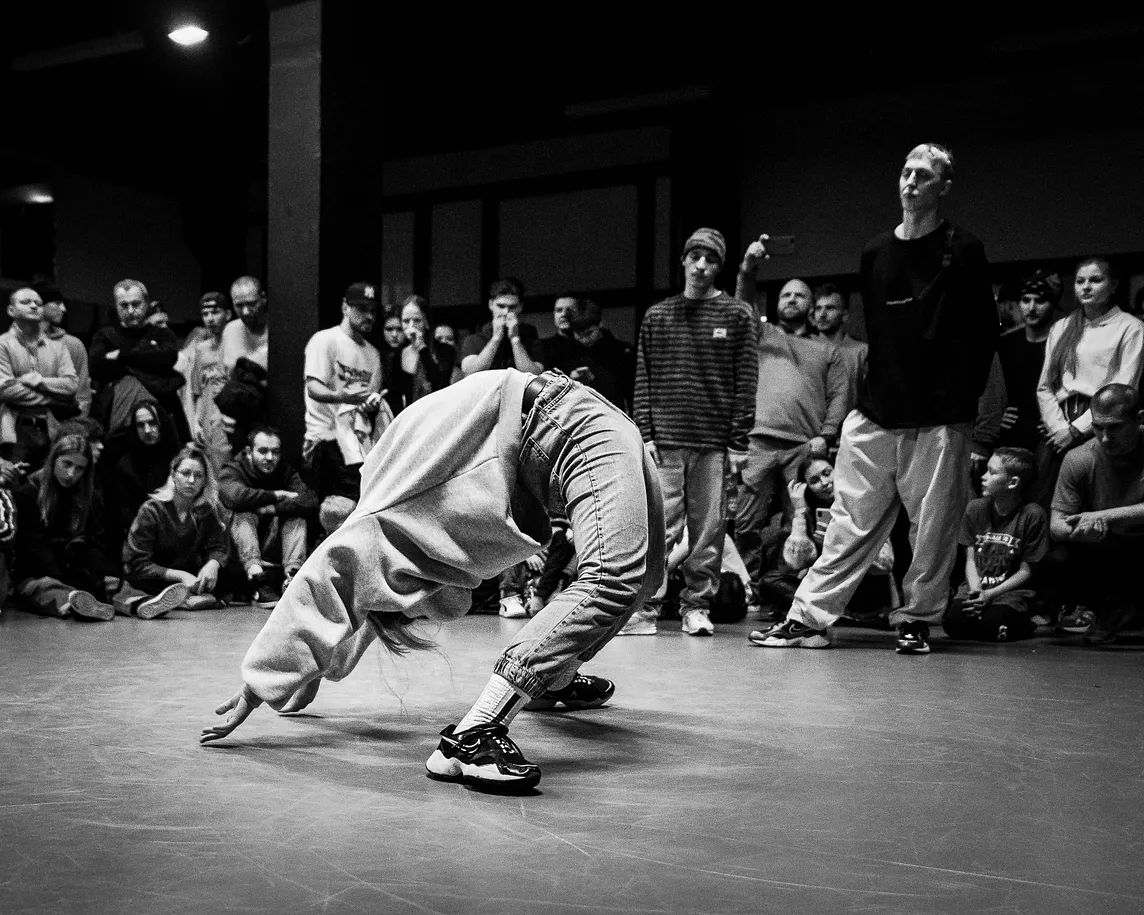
[
  {"x": 696, "y": 622},
  {"x": 790, "y": 634},
  {"x": 86, "y": 605},
  {"x": 583, "y": 692},
  {"x": 170, "y": 598},
  {"x": 913, "y": 638},
  {"x": 639, "y": 623},
  {"x": 485, "y": 756},
  {"x": 512, "y": 607}
]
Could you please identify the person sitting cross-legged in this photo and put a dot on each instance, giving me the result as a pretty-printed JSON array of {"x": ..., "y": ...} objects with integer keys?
[
  {"x": 59, "y": 563},
  {"x": 271, "y": 506},
  {"x": 177, "y": 546},
  {"x": 1005, "y": 536}
]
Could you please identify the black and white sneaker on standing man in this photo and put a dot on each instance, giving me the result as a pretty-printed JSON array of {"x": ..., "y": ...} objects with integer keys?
[
  {"x": 790, "y": 634},
  {"x": 913, "y": 638}
]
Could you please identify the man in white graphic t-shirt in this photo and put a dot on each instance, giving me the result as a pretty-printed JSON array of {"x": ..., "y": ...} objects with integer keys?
[{"x": 344, "y": 413}]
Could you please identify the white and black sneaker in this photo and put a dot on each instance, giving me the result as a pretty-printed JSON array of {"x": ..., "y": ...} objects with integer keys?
[
  {"x": 484, "y": 756},
  {"x": 85, "y": 604},
  {"x": 790, "y": 634},
  {"x": 170, "y": 598},
  {"x": 583, "y": 692},
  {"x": 913, "y": 638}
]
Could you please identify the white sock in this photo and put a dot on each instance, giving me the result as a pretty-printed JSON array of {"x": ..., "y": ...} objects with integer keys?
[{"x": 498, "y": 702}]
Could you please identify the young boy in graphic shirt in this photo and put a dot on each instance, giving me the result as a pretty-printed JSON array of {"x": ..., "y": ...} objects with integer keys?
[{"x": 1004, "y": 536}]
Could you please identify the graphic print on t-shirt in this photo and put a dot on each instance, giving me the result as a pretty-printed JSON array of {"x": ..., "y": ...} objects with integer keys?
[
  {"x": 351, "y": 377},
  {"x": 994, "y": 555}
]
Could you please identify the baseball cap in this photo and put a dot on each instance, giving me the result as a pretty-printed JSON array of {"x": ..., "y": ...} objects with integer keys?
[
  {"x": 361, "y": 294},
  {"x": 214, "y": 300}
]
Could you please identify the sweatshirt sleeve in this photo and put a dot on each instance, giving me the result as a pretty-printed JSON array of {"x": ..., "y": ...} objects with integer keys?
[
  {"x": 641, "y": 402},
  {"x": 837, "y": 395},
  {"x": 1051, "y": 413},
  {"x": 746, "y": 382},
  {"x": 236, "y": 495},
  {"x": 139, "y": 547},
  {"x": 216, "y": 545},
  {"x": 83, "y": 380},
  {"x": 303, "y": 507},
  {"x": 12, "y": 390},
  {"x": 64, "y": 384}
]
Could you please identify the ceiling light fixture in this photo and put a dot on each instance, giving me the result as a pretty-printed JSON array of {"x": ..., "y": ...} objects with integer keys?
[{"x": 188, "y": 35}]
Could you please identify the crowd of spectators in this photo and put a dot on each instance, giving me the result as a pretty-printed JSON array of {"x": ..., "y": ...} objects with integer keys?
[{"x": 896, "y": 482}]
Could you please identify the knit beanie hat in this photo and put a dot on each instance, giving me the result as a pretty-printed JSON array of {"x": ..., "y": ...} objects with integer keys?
[{"x": 707, "y": 238}]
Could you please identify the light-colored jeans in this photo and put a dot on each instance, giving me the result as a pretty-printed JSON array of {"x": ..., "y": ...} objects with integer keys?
[
  {"x": 575, "y": 448},
  {"x": 877, "y": 472},
  {"x": 594, "y": 456},
  {"x": 255, "y": 536},
  {"x": 694, "y": 499}
]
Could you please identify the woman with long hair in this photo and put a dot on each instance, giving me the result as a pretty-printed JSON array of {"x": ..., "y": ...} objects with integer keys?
[
  {"x": 1096, "y": 345},
  {"x": 135, "y": 466},
  {"x": 178, "y": 538},
  {"x": 60, "y": 561},
  {"x": 428, "y": 364}
]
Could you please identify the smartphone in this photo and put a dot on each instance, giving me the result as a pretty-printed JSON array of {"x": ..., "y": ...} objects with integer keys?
[{"x": 780, "y": 245}]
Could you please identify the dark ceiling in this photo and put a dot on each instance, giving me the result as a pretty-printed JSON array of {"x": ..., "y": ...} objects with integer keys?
[{"x": 179, "y": 120}]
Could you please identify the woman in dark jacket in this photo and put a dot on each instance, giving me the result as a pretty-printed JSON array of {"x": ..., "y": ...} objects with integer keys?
[
  {"x": 61, "y": 566},
  {"x": 178, "y": 541}
]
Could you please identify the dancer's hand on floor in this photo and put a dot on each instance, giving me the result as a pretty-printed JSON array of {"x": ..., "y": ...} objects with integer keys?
[{"x": 240, "y": 706}]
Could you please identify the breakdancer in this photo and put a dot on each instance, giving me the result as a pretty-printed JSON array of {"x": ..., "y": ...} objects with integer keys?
[{"x": 459, "y": 488}]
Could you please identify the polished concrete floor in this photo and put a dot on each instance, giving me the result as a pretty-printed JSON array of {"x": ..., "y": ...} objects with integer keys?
[{"x": 722, "y": 779}]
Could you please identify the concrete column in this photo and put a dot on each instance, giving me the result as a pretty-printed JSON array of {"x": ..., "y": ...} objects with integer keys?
[{"x": 294, "y": 165}]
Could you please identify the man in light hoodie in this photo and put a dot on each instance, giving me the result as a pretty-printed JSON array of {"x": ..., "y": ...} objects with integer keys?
[{"x": 461, "y": 486}]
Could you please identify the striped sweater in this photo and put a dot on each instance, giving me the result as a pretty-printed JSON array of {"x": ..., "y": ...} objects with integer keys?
[{"x": 697, "y": 369}]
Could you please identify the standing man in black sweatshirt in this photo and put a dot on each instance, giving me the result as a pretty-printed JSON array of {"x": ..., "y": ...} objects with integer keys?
[{"x": 931, "y": 324}]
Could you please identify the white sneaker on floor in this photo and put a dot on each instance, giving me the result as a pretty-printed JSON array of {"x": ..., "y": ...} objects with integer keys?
[
  {"x": 639, "y": 623},
  {"x": 512, "y": 607},
  {"x": 170, "y": 598},
  {"x": 84, "y": 604},
  {"x": 697, "y": 622}
]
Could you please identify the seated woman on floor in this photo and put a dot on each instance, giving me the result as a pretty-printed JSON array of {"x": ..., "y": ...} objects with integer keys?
[
  {"x": 60, "y": 564},
  {"x": 178, "y": 540}
]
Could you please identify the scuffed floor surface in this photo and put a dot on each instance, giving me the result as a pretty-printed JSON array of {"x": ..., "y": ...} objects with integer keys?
[{"x": 723, "y": 779}]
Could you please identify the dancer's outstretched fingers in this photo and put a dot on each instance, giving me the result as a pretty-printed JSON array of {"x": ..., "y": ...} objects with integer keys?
[{"x": 240, "y": 706}]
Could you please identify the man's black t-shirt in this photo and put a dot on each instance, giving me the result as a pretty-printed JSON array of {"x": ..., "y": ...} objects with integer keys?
[{"x": 931, "y": 325}]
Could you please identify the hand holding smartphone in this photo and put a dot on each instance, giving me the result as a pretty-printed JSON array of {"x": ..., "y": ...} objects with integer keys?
[{"x": 778, "y": 245}]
